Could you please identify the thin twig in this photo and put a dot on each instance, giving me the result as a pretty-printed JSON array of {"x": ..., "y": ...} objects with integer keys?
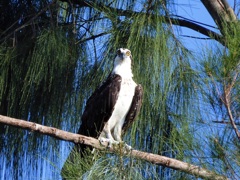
[
  {"x": 225, "y": 122},
  {"x": 227, "y": 103},
  {"x": 175, "y": 21},
  {"x": 228, "y": 107}
]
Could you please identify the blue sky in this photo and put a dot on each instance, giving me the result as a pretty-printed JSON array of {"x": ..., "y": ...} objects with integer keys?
[
  {"x": 196, "y": 11},
  {"x": 192, "y": 9}
]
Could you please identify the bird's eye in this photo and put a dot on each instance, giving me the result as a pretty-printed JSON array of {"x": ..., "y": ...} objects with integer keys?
[{"x": 128, "y": 53}]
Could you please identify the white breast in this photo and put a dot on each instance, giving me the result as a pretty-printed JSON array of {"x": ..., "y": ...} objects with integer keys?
[
  {"x": 112, "y": 129},
  {"x": 122, "y": 106}
]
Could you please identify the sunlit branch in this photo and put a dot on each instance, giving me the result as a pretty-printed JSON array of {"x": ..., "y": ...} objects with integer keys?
[
  {"x": 77, "y": 138},
  {"x": 227, "y": 103},
  {"x": 228, "y": 107}
]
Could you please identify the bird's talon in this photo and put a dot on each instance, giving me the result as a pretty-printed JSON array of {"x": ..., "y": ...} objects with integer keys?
[
  {"x": 109, "y": 141},
  {"x": 127, "y": 147}
]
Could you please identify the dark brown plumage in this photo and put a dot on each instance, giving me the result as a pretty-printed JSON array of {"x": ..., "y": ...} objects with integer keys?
[
  {"x": 100, "y": 106},
  {"x": 113, "y": 107}
]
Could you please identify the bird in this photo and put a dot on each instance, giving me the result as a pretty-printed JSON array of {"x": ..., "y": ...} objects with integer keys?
[
  {"x": 114, "y": 105},
  {"x": 110, "y": 110}
]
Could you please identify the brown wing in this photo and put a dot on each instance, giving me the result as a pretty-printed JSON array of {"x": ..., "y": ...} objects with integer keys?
[
  {"x": 134, "y": 109},
  {"x": 99, "y": 108}
]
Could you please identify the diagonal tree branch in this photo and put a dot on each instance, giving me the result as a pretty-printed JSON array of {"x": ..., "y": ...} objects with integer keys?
[
  {"x": 77, "y": 138},
  {"x": 227, "y": 103},
  {"x": 175, "y": 21},
  {"x": 220, "y": 11}
]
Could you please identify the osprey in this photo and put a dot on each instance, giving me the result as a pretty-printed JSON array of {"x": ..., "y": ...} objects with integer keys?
[{"x": 113, "y": 107}]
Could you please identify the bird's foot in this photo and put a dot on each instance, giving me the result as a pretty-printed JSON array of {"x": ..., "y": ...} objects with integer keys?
[
  {"x": 110, "y": 142},
  {"x": 119, "y": 146},
  {"x": 125, "y": 147}
]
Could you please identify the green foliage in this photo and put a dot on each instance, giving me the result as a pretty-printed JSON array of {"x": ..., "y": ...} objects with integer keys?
[
  {"x": 168, "y": 82},
  {"x": 55, "y": 55},
  {"x": 50, "y": 73},
  {"x": 76, "y": 166},
  {"x": 99, "y": 165},
  {"x": 220, "y": 71},
  {"x": 36, "y": 84}
]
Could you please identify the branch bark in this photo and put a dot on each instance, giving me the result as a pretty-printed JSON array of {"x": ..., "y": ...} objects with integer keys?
[
  {"x": 220, "y": 11},
  {"x": 77, "y": 138},
  {"x": 227, "y": 103}
]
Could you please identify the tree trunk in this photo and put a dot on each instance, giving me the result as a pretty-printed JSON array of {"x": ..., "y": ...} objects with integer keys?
[{"x": 220, "y": 11}]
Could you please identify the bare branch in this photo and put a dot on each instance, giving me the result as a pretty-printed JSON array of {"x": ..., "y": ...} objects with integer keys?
[
  {"x": 226, "y": 99},
  {"x": 77, "y": 138},
  {"x": 179, "y": 21},
  {"x": 4, "y": 34},
  {"x": 228, "y": 107},
  {"x": 175, "y": 21},
  {"x": 92, "y": 37},
  {"x": 198, "y": 28},
  {"x": 220, "y": 11},
  {"x": 227, "y": 102},
  {"x": 225, "y": 122}
]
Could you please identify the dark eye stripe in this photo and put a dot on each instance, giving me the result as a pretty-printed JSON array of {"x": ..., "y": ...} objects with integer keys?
[{"x": 118, "y": 52}]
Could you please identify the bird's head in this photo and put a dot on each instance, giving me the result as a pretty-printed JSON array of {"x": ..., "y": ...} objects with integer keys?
[
  {"x": 122, "y": 62},
  {"x": 123, "y": 55}
]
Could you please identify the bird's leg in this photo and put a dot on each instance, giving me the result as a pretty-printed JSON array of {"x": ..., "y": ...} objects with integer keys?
[
  {"x": 109, "y": 141},
  {"x": 127, "y": 147},
  {"x": 117, "y": 135},
  {"x": 106, "y": 136},
  {"x": 124, "y": 147}
]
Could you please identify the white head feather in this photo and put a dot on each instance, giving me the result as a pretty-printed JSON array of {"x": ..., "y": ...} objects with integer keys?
[{"x": 122, "y": 63}]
